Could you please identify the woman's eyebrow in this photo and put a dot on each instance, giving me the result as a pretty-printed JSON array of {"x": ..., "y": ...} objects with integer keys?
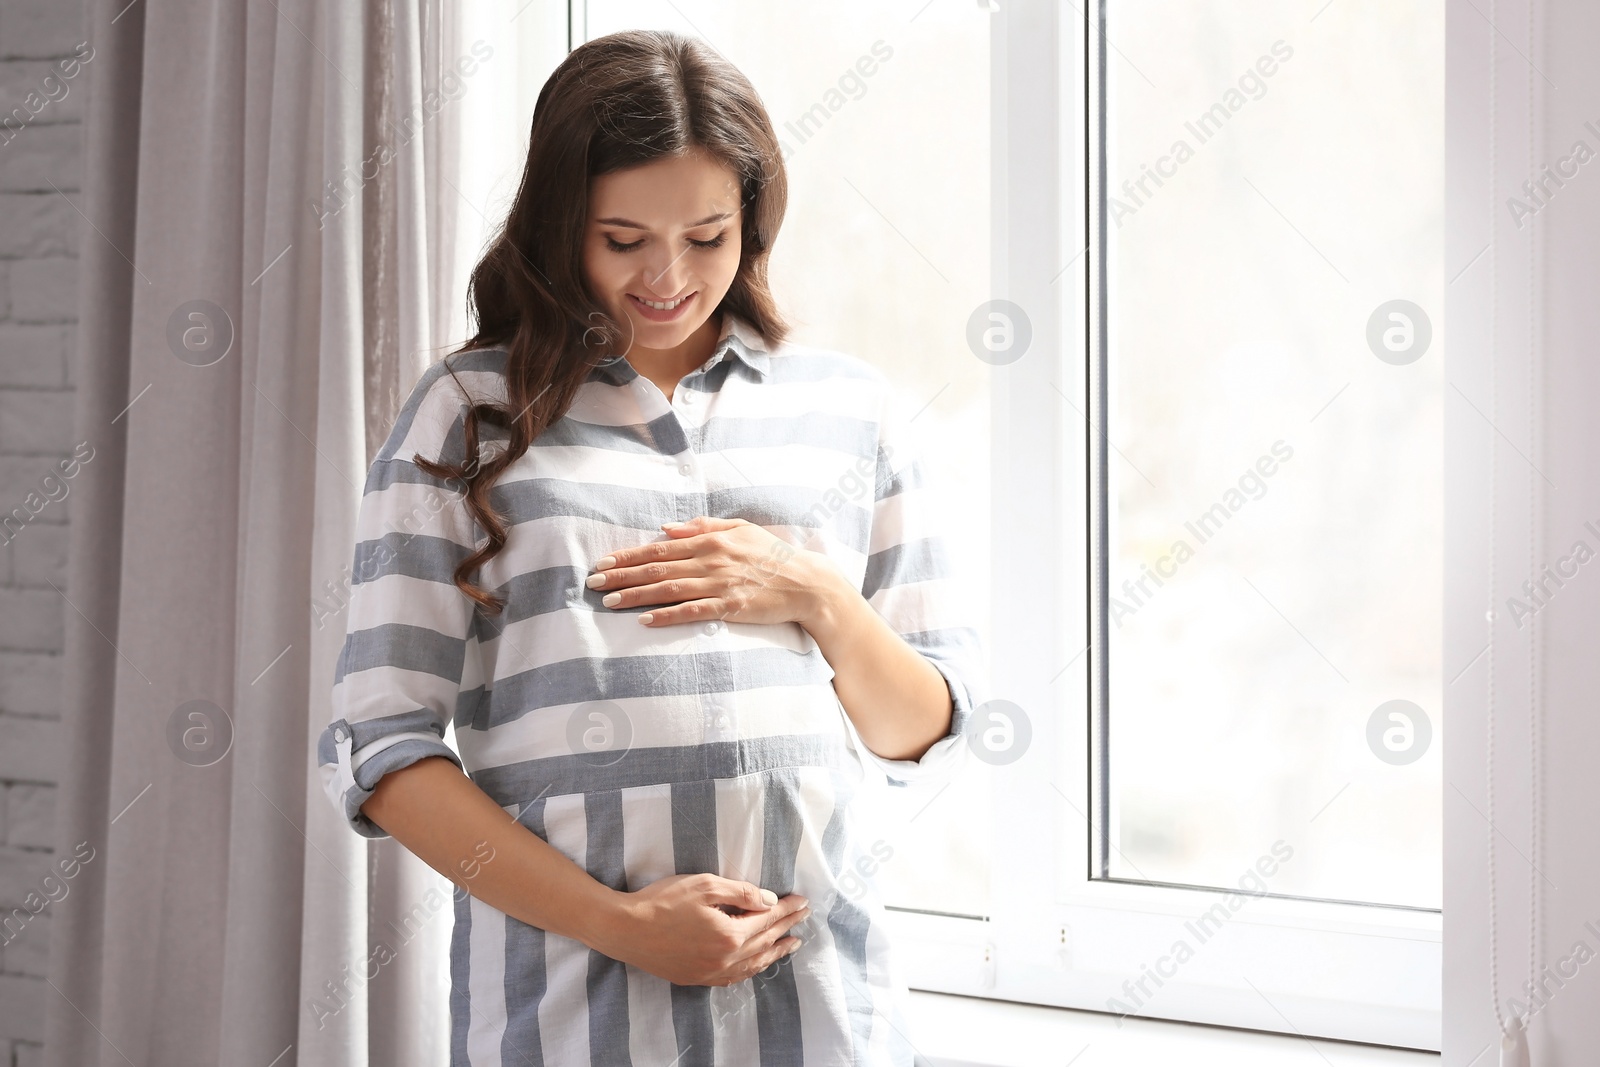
[{"x": 630, "y": 224}]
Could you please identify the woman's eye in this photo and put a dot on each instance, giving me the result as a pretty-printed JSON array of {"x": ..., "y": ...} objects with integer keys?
[{"x": 617, "y": 246}]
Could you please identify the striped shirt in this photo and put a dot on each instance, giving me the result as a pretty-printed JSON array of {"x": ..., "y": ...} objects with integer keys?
[{"x": 643, "y": 752}]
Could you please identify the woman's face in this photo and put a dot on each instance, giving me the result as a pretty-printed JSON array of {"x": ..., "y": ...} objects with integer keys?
[{"x": 665, "y": 232}]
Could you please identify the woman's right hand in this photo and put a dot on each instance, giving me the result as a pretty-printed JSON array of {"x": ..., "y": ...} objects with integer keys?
[{"x": 701, "y": 929}]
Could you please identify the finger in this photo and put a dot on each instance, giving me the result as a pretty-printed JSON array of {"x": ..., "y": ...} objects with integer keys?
[
  {"x": 651, "y": 552},
  {"x": 762, "y": 960},
  {"x": 757, "y": 922},
  {"x": 675, "y": 590},
  {"x": 782, "y": 927},
  {"x": 701, "y": 524},
  {"x": 740, "y": 894},
  {"x": 763, "y": 928},
  {"x": 689, "y": 611},
  {"x": 621, "y": 578}
]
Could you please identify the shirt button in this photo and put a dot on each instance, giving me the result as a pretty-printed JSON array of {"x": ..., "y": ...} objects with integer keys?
[
  {"x": 721, "y": 721},
  {"x": 685, "y": 468},
  {"x": 713, "y": 626},
  {"x": 339, "y": 734}
]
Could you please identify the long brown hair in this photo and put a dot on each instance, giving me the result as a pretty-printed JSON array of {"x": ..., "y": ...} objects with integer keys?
[{"x": 615, "y": 102}]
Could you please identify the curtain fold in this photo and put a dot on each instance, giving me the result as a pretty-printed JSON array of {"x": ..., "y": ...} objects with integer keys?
[{"x": 258, "y": 294}]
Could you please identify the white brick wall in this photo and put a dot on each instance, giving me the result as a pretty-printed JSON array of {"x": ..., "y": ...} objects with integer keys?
[{"x": 40, "y": 167}]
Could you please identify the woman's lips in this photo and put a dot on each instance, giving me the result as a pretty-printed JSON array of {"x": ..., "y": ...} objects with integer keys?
[{"x": 657, "y": 314}]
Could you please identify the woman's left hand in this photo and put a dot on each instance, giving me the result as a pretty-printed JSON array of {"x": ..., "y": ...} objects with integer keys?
[{"x": 711, "y": 568}]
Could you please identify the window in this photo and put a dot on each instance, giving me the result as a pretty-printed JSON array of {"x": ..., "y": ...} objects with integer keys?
[{"x": 1162, "y": 348}]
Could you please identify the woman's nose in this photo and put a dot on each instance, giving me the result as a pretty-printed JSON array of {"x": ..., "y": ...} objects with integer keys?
[{"x": 665, "y": 278}]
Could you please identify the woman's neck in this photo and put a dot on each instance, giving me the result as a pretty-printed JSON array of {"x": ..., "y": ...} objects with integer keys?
[{"x": 666, "y": 366}]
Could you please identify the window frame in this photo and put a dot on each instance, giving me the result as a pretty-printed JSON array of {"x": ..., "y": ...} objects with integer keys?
[{"x": 1055, "y": 935}]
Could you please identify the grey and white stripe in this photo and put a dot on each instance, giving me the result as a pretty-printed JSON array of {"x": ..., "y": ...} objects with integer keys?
[{"x": 644, "y": 752}]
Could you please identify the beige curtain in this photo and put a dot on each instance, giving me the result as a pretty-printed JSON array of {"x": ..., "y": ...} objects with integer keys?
[{"x": 265, "y": 270}]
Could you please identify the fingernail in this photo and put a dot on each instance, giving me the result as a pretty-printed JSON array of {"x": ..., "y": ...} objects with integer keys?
[
  {"x": 644, "y": 620},
  {"x": 769, "y": 897},
  {"x": 670, "y": 525},
  {"x": 595, "y": 581},
  {"x": 794, "y": 948},
  {"x": 611, "y": 600},
  {"x": 606, "y": 563}
]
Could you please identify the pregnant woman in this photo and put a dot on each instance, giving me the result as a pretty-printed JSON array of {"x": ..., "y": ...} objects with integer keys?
[{"x": 678, "y": 591}]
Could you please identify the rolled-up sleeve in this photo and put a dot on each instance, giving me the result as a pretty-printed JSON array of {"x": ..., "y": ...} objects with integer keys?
[
  {"x": 409, "y": 653},
  {"x": 912, "y": 582}
]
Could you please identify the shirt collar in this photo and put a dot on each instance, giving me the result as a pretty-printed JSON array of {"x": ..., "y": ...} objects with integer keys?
[
  {"x": 738, "y": 338},
  {"x": 742, "y": 340}
]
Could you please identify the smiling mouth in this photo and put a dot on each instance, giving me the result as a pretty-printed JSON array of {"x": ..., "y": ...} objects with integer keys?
[
  {"x": 662, "y": 305},
  {"x": 662, "y": 310}
]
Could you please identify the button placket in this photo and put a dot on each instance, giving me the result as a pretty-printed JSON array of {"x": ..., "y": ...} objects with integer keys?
[
  {"x": 708, "y": 676},
  {"x": 719, "y": 722}
]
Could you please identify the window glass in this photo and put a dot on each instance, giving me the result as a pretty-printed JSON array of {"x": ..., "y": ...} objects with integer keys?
[{"x": 1275, "y": 384}]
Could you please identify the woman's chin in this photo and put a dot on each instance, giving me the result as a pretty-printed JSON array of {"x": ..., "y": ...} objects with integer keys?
[{"x": 662, "y": 335}]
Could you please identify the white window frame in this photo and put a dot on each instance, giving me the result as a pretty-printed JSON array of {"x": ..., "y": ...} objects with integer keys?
[{"x": 1055, "y": 936}]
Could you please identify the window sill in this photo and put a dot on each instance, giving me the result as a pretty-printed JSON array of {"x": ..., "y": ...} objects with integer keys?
[{"x": 956, "y": 1031}]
